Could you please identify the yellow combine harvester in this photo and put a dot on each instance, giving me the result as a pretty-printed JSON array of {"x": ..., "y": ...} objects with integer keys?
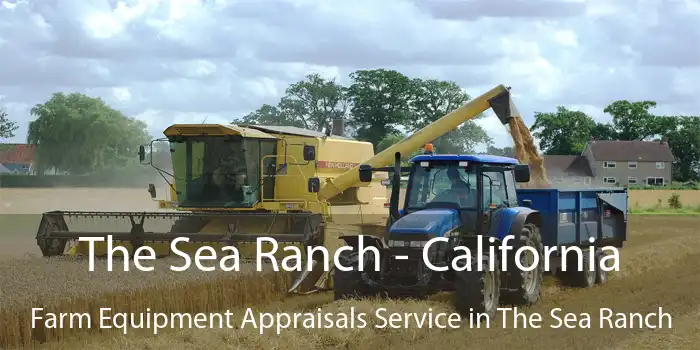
[{"x": 236, "y": 183}]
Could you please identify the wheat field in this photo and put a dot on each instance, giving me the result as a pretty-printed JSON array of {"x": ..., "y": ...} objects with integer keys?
[
  {"x": 659, "y": 267},
  {"x": 641, "y": 199}
]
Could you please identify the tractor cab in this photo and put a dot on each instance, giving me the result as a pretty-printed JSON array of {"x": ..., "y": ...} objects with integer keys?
[{"x": 445, "y": 191}]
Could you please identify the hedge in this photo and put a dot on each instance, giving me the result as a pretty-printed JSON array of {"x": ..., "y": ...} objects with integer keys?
[{"x": 126, "y": 179}]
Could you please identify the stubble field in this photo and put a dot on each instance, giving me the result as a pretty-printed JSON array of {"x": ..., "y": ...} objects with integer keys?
[{"x": 659, "y": 268}]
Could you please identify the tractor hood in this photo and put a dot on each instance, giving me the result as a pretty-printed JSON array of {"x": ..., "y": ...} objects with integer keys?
[{"x": 432, "y": 222}]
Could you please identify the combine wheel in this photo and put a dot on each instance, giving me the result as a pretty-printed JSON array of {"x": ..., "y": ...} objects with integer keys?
[
  {"x": 601, "y": 275},
  {"x": 478, "y": 292},
  {"x": 52, "y": 246},
  {"x": 528, "y": 283},
  {"x": 349, "y": 284}
]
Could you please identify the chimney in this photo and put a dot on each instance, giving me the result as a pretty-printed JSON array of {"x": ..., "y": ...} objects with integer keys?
[
  {"x": 338, "y": 127},
  {"x": 664, "y": 140}
]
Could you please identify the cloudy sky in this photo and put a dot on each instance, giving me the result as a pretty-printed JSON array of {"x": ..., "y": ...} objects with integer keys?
[{"x": 166, "y": 61}]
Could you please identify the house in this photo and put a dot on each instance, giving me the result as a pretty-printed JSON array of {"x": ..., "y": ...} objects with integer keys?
[
  {"x": 567, "y": 171},
  {"x": 613, "y": 163},
  {"x": 16, "y": 158}
]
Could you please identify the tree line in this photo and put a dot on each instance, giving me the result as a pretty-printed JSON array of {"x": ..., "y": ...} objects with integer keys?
[
  {"x": 78, "y": 134},
  {"x": 566, "y": 132},
  {"x": 380, "y": 106}
]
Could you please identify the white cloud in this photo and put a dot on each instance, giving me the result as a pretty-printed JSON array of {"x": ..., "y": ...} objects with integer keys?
[{"x": 183, "y": 61}]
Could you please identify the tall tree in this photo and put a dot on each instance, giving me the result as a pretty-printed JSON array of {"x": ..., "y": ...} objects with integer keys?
[
  {"x": 380, "y": 101},
  {"x": 271, "y": 115},
  {"x": 432, "y": 99},
  {"x": 7, "y": 127},
  {"x": 633, "y": 121},
  {"x": 684, "y": 142},
  {"x": 604, "y": 131},
  {"x": 564, "y": 132},
  {"x": 312, "y": 104},
  {"x": 79, "y": 134}
]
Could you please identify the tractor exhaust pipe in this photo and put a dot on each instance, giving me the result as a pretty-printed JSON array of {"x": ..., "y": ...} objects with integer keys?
[
  {"x": 395, "y": 188},
  {"x": 338, "y": 128}
]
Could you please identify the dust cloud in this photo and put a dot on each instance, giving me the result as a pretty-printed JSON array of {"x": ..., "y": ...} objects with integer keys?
[{"x": 526, "y": 152}]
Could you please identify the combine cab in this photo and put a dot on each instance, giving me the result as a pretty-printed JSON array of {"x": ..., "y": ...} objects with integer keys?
[{"x": 232, "y": 184}]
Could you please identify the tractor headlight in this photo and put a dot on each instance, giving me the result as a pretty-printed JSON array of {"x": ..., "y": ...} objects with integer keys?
[
  {"x": 393, "y": 243},
  {"x": 418, "y": 244},
  {"x": 406, "y": 244}
]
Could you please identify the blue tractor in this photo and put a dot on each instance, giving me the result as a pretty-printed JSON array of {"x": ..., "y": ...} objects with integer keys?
[{"x": 471, "y": 201}]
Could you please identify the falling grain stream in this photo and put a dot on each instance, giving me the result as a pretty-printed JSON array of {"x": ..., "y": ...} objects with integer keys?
[{"x": 526, "y": 152}]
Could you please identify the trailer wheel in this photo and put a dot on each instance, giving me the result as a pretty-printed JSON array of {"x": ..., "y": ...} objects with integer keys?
[
  {"x": 601, "y": 276},
  {"x": 349, "y": 284},
  {"x": 528, "y": 283},
  {"x": 582, "y": 276},
  {"x": 478, "y": 292}
]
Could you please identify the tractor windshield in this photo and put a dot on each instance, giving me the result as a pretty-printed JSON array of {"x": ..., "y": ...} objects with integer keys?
[
  {"x": 442, "y": 183},
  {"x": 218, "y": 171}
]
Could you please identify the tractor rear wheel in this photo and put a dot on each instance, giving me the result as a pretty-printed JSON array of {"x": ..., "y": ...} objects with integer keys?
[
  {"x": 478, "y": 292},
  {"x": 601, "y": 275},
  {"x": 349, "y": 284},
  {"x": 528, "y": 283}
]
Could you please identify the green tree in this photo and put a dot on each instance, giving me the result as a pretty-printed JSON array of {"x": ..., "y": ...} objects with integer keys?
[
  {"x": 380, "y": 101},
  {"x": 312, "y": 104},
  {"x": 432, "y": 99},
  {"x": 79, "y": 134},
  {"x": 7, "y": 127},
  {"x": 604, "y": 131},
  {"x": 633, "y": 121},
  {"x": 389, "y": 140},
  {"x": 684, "y": 142},
  {"x": 503, "y": 152},
  {"x": 271, "y": 115},
  {"x": 392, "y": 139},
  {"x": 564, "y": 132}
]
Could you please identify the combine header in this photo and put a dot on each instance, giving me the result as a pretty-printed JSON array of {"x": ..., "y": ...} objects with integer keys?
[{"x": 234, "y": 183}]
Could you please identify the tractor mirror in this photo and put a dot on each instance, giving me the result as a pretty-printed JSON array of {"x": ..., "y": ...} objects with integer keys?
[
  {"x": 522, "y": 173},
  {"x": 152, "y": 190},
  {"x": 365, "y": 173},
  {"x": 142, "y": 153},
  {"x": 309, "y": 153},
  {"x": 314, "y": 185}
]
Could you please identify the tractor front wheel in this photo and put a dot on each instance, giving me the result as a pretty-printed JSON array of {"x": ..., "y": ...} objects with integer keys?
[
  {"x": 527, "y": 283},
  {"x": 478, "y": 292},
  {"x": 349, "y": 284}
]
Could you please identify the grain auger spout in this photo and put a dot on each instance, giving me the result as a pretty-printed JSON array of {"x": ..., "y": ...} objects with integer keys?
[{"x": 235, "y": 185}]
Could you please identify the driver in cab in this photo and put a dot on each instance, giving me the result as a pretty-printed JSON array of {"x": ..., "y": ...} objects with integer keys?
[{"x": 460, "y": 189}]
